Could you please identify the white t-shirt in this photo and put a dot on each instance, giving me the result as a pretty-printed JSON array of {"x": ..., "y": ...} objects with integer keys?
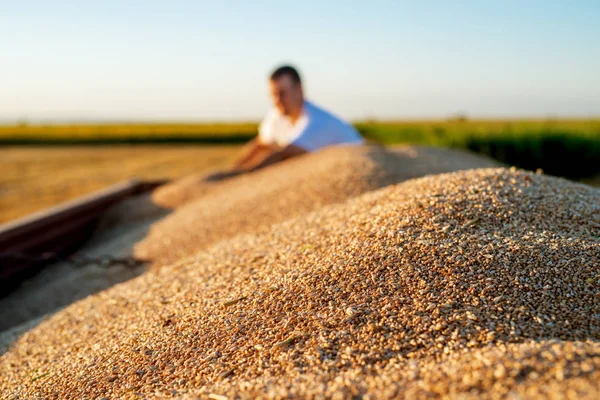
[{"x": 315, "y": 129}]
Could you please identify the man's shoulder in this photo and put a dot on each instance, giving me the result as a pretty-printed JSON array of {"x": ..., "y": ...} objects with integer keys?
[
  {"x": 317, "y": 113},
  {"x": 272, "y": 121},
  {"x": 327, "y": 125},
  {"x": 311, "y": 109},
  {"x": 271, "y": 115}
]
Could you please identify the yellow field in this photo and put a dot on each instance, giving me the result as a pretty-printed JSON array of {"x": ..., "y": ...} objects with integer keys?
[
  {"x": 124, "y": 131},
  {"x": 174, "y": 131},
  {"x": 34, "y": 178}
]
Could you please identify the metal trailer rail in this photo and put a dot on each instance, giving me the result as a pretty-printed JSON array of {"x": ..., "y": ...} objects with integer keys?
[{"x": 59, "y": 230}]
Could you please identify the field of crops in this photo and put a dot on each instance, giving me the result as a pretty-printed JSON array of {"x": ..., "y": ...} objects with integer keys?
[
  {"x": 568, "y": 148},
  {"x": 126, "y": 133},
  {"x": 435, "y": 132}
]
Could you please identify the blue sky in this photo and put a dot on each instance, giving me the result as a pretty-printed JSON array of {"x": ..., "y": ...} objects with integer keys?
[{"x": 200, "y": 60}]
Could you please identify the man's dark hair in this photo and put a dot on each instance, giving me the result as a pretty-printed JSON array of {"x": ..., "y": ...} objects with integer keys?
[{"x": 286, "y": 70}]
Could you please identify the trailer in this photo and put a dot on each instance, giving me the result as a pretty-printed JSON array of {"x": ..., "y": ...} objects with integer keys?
[{"x": 30, "y": 243}]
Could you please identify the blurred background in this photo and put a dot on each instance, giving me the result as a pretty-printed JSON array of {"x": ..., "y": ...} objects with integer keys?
[{"x": 96, "y": 92}]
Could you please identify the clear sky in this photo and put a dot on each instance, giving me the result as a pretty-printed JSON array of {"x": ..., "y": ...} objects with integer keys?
[{"x": 209, "y": 60}]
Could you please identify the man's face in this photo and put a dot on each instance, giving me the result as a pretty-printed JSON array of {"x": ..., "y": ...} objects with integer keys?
[{"x": 286, "y": 95}]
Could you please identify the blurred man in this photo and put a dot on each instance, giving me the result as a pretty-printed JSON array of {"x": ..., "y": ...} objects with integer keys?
[{"x": 294, "y": 126}]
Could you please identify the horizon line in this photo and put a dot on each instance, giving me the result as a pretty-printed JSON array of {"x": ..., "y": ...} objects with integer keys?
[{"x": 201, "y": 121}]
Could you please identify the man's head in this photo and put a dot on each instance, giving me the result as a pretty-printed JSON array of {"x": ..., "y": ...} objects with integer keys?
[{"x": 285, "y": 86}]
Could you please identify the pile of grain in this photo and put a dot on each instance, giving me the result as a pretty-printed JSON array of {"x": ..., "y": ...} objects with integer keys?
[
  {"x": 494, "y": 273},
  {"x": 545, "y": 369},
  {"x": 416, "y": 161},
  {"x": 181, "y": 191},
  {"x": 251, "y": 203}
]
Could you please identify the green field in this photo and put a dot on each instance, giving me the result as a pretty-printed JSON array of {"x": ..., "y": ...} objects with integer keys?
[{"x": 568, "y": 148}]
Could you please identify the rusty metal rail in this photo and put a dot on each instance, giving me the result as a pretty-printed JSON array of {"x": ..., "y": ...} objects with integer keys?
[{"x": 59, "y": 231}]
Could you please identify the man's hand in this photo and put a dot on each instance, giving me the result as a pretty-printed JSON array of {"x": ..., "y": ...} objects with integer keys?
[
  {"x": 222, "y": 175},
  {"x": 275, "y": 156},
  {"x": 254, "y": 152}
]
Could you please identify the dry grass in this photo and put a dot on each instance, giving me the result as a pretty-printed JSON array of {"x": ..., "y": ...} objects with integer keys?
[
  {"x": 480, "y": 283},
  {"x": 34, "y": 178}
]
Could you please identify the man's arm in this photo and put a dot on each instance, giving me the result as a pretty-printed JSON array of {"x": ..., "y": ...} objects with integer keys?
[
  {"x": 276, "y": 156},
  {"x": 252, "y": 151},
  {"x": 257, "y": 163}
]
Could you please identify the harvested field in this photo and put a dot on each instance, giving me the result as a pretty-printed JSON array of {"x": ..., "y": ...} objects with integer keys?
[
  {"x": 34, "y": 178},
  {"x": 479, "y": 283},
  {"x": 254, "y": 202}
]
